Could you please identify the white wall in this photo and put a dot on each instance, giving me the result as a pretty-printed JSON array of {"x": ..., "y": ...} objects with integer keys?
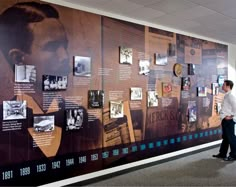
[{"x": 232, "y": 65}]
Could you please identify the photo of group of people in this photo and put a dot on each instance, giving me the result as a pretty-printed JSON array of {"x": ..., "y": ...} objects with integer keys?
[
  {"x": 136, "y": 93},
  {"x": 52, "y": 82},
  {"x": 74, "y": 119},
  {"x": 116, "y": 109}
]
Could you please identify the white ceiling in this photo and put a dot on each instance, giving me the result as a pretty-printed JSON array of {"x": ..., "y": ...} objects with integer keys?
[{"x": 215, "y": 19}]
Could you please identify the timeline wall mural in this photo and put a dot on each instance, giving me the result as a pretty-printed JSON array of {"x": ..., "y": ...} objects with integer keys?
[{"x": 82, "y": 92}]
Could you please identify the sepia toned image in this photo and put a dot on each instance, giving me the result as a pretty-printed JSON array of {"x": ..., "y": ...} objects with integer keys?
[
  {"x": 178, "y": 70},
  {"x": 118, "y": 131},
  {"x": 193, "y": 55},
  {"x": 166, "y": 89}
]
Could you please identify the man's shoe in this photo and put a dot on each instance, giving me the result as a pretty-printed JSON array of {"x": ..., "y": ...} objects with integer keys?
[
  {"x": 229, "y": 158},
  {"x": 219, "y": 156}
]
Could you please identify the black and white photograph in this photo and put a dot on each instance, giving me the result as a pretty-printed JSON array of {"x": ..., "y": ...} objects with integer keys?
[
  {"x": 82, "y": 66},
  {"x": 201, "y": 91},
  {"x": 136, "y": 93},
  {"x": 171, "y": 49},
  {"x": 185, "y": 83},
  {"x": 220, "y": 80},
  {"x": 144, "y": 67},
  {"x": 44, "y": 123},
  {"x": 215, "y": 88},
  {"x": 191, "y": 69},
  {"x": 53, "y": 83},
  {"x": 116, "y": 109},
  {"x": 161, "y": 59},
  {"x": 13, "y": 110},
  {"x": 218, "y": 107},
  {"x": 25, "y": 73},
  {"x": 192, "y": 111},
  {"x": 152, "y": 98},
  {"x": 126, "y": 55},
  {"x": 95, "y": 98},
  {"x": 74, "y": 119}
]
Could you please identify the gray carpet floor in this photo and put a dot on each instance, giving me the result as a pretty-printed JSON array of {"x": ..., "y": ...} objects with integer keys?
[{"x": 199, "y": 169}]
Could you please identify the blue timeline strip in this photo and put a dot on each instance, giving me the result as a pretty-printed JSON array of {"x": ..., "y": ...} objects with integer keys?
[
  {"x": 83, "y": 159},
  {"x": 165, "y": 142}
]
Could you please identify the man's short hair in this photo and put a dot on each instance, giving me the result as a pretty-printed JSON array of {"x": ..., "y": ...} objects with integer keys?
[
  {"x": 14, "y": 30},
  {"x": 229, "y": 83}
]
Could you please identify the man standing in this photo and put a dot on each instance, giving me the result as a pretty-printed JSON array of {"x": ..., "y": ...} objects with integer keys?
[{"x": 228, "y": 117}]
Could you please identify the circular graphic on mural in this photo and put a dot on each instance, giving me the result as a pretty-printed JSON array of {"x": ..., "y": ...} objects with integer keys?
[
  {"x": 178, "y": 69},
  {"x": 192, "y": 52}
]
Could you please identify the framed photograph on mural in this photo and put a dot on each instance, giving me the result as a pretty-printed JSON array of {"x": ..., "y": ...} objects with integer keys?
[
  {"x": 171, "y": 49},
  {"x": 13, "y": 110},
  {"x": 54, "y": 83},
  {"x": 192, "y": 111},
  {"x": 44, "y": 123},
  {"x": 82, "y": 66},
  {"x": 136, "y": 93},
  {"x": 218, "y": 107},
  {"x": 116, "y": 109},
  {"x": 201, "y": 91},
  {"x": 215, "y": 88},
  {"x": 126, "y": 55},
  {"x": 152, "y": 98},
  {"x": 220, "y": 80},
  {"x": 25, "y": 73},
  {"x": 74, "y": 119},
  {"x": 95, "y": 98},
  {"x": 144, "y": 67},
  {"x": 185, "y": 83},
  {"x": 191, "y": 69},
  {"x": 161, "y": 59},
  {"x": 166, "y": 89}
]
